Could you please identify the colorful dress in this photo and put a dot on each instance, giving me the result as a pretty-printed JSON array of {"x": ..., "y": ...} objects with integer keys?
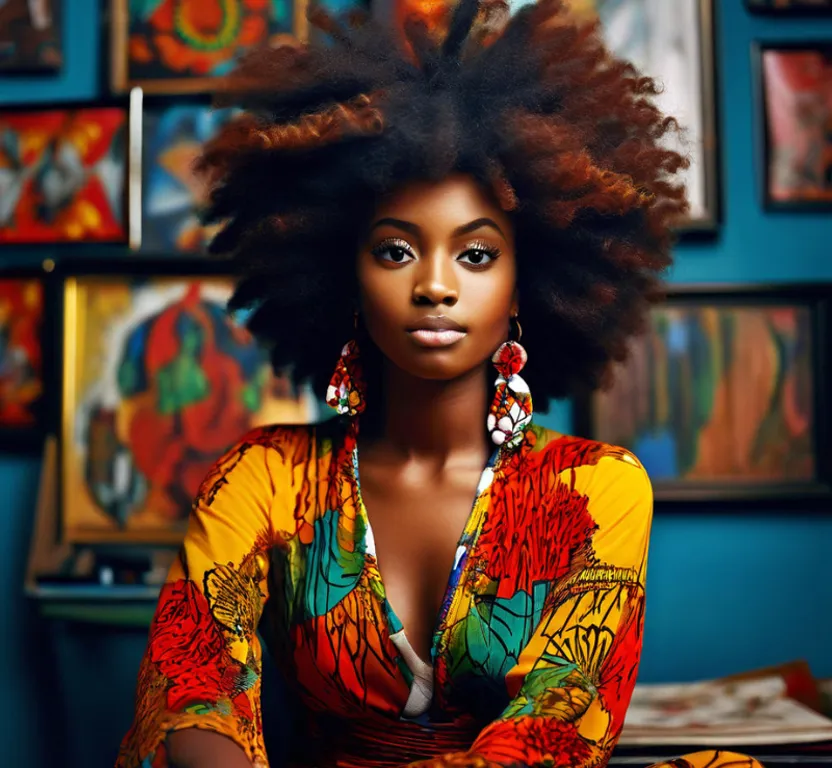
[{"x": 535, "y": 650}]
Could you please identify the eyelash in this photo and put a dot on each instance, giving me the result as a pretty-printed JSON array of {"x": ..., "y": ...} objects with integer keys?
[{"x": 492, "y": 251}]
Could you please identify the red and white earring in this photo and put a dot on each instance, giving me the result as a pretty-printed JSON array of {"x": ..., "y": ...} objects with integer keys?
[
  {"x": 345, "y": 392},
  {"x": 511, "y": 408}
]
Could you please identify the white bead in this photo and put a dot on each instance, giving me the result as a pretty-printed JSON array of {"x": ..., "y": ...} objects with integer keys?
[
  {"x": 490, "y": 422},
  {"x": 498, "y": 437},
  {"x": 506, "y": 424}
]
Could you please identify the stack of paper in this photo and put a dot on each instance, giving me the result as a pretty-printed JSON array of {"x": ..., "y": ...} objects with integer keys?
[{"x": 720, "y": 713}]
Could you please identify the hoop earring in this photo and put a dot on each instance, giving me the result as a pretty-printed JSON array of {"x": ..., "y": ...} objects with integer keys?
[
  {"x": 345, "y": 392},
  {"x": 511, "y": 409}
]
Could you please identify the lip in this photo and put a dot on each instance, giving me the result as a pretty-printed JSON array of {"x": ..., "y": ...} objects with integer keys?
[
  {"x": 436, "y": 323},
  {"x": 437, "y": 331}
]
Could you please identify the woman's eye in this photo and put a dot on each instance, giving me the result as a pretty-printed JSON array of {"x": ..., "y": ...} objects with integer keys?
[
  {"x": 393, "y": 253},
  {"x": 478, "y": 257}
]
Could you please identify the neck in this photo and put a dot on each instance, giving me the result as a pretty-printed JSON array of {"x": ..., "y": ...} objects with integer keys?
[{"x": 432, "y": 418}]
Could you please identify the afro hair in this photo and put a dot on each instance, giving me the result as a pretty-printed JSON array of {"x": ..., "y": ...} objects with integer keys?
[{"x": 533, "y": 106}]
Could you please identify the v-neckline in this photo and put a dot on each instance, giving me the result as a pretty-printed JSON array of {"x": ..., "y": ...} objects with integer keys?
[{"x": 463, "y": 547}]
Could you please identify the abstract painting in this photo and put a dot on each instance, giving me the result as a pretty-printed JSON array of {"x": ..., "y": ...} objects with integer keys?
[
  {"x": 797, "y": 106},
  {"x": 21, "y": 354},
  {"x": 159, "y": 383},
  {"x": 720, "y": 394},
  {"x": 63, "y": 175},
  {"x": 172, "y": 195},
  {"x": 179, "y": 46},
  {"x": 30, "y": 36},
  {"x": 674, "y": 43}
]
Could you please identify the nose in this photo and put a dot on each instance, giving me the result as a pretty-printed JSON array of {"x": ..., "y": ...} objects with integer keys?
[{"x": 435, "y": 282}]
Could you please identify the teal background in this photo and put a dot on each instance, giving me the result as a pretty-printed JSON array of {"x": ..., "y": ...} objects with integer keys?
[{"x": 726, "y": 591}]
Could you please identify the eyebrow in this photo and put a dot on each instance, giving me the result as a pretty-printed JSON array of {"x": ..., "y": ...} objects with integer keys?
[{"x": 414, "y": 229}]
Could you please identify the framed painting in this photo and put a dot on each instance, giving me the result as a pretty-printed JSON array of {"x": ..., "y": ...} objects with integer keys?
[
  {"x": 158, "y": 382},
  {"x": 171, "y": 194},
  {"x": 795, "y": 86},
  {"x": 182, "y": 46},
  {"x": 30, "y": 36},
  {"x": 674, "y": 43},
  {"x": 24, "y": 357},
  {"x": 790, "y": 7},
  {"x": 63, "y": 175},
  {"x": 726, "y": 397}
]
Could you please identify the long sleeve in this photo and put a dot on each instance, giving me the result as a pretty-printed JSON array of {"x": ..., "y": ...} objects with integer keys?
[
  {"x": 202, "y": 663},
  {"x": 573, "y": 681}
]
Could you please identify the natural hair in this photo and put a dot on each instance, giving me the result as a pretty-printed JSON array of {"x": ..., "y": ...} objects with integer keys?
[{"x": 536, "y": 109}]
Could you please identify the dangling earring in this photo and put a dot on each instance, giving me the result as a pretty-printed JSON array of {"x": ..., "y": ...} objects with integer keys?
[
  {"x": 345, "y": 392},
  {"x": 511, "y": 408}
]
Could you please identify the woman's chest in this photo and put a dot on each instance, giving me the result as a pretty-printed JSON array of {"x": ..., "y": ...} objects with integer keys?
[{"x": 475, "y": 587}]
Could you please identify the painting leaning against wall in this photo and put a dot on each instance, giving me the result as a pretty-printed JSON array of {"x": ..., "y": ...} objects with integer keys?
[{"x": 159, "y": 383}]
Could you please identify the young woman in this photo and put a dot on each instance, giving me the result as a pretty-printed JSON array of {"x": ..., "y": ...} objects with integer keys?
[{"x": 450, "y": 584}]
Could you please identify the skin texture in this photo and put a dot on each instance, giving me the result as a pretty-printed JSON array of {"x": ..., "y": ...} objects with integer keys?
[
  {"x": 426, "y": 444},
  {"x": 423, "y": 443}
]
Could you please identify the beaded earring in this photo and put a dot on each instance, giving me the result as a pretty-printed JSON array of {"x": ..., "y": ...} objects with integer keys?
[
  {"x": 511, "y": 408},
  {"x": 345, "y": 392}
]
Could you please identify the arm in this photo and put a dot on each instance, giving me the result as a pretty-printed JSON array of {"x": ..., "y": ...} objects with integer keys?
[
  {"x": 574, "y": 679},
  {"x": 201, "y": 669}
]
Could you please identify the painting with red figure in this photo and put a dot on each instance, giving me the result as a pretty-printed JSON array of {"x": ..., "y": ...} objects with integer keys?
[
  {"x": 63, "y": 175},
  {"x": 181, "y": 46},
  {"x": 21, "y": 354},
  {"x": 797, "y": 96},
  {"x": 161, "y": 381}
]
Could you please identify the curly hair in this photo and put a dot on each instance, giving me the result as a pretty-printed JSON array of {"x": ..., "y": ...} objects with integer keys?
[{"x": 534, "y": 107}]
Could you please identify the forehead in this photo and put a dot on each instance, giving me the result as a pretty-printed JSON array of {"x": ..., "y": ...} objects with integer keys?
[{"x": 446, "y": 204}]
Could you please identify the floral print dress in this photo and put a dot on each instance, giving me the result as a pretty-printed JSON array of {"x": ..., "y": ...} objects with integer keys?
[{"x": 535, "y": 650}]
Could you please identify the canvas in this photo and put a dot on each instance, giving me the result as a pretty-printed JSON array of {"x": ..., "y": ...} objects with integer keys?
[
  {"x": 63, "y": 175},
  {"x": 21, "y": 354},
  {"x": 172, "y": 195},
  {"x": 178, "y": 46},
  {"x": 674, "y": 43},
  {"x": 718, "y": 394},
  {"x": 30, "y": 36},
  {"x": 797, "y": 93},
  {"x": 160, "y": 382}
]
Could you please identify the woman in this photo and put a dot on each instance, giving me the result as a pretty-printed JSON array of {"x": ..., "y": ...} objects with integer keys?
[{"x": 428, "y": 203}]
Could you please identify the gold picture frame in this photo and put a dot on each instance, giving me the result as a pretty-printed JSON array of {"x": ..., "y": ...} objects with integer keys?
[
  {"x": 158, "y": 48},
  {"x": 158, "y": 382}
]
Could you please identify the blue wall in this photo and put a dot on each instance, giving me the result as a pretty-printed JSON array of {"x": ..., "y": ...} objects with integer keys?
[{"x": 726, "y": 592}]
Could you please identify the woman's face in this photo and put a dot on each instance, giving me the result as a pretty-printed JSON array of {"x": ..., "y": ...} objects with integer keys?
[{"x": 436, "y": 275}]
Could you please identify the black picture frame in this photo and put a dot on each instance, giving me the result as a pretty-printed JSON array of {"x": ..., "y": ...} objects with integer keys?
[
  {"x": 770, "y": 200},
  {"x": 691, "y": 96},
  {"x": 31, "y": 42},
  {"x": 814, "y": 494},
  {"x": 28, "y": 438},
  {"x": 127, "y": 209},
  {"x": 792, "y": 8}
]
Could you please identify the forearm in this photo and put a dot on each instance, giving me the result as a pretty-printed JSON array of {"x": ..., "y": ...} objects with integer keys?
[{"x": 195, "y": 748}]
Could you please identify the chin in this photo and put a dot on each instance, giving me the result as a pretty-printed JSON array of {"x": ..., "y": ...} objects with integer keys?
[{"x": 438, "y": 365}]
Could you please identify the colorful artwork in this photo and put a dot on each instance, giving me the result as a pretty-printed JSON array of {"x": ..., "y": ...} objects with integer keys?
[
  {"x": 62, "y": 175},
  {"x": 160, "y": 382},
  {"x": 717, "y": 394},
  {"x": 30, "y": 36},
  {"x": 21, "y": 355},
  {"x": 672, "y": 42},
  {"x": 176, "y": 46},
  {"x": 171, "y": 193},
  {"x": 797, "y": 88}
]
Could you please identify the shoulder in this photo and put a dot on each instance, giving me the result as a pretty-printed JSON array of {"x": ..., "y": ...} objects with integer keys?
[
  {"x": 589, "y": 466},
  {"x": 266, "y": 457}
]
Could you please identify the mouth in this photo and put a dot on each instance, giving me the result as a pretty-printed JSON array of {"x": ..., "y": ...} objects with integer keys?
[{"x": 436, "y": 332}]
